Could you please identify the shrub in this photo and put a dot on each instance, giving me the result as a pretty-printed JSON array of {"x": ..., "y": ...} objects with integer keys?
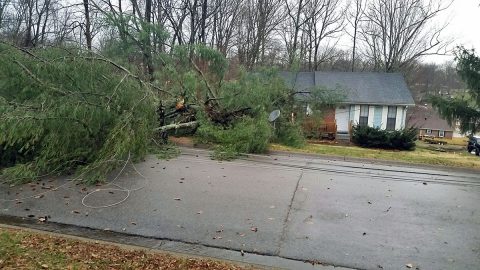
[{"x": 370, "y": 137}]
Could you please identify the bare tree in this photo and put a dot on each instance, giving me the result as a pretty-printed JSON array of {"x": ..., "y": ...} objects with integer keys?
[
  {"x": 325, "y": 21},
  {"x": 398, "y": 32},
  {"x": 3, "y": 7},
  {"x": 257, "y": 21},
  {"x": 291, "y": 30},
  {"x": 355, "y": 16},
  {"x": 87, "y": 28},
  {"x": 225, "y": 15}
]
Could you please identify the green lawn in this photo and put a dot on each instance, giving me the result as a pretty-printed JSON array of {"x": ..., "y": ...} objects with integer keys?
[{"x": 449, "y": 155}]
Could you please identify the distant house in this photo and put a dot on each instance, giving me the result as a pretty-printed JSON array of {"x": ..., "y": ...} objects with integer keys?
[
  {"x": 429, "y": 123},
  {"x": 373, "y": 99}
]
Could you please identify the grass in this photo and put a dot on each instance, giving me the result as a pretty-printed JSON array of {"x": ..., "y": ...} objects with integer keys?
[
  {"x": 457, "y": 141},
  {"x": 27, "y": 250},
  {"x": 451, "y": 155}
]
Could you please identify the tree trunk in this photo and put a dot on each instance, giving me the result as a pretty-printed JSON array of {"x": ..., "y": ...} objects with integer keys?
[
  {"x": 203, "y": 22},
  {"x": 87, "y": 31},
  {"x": 28, "y": 35},
  {"x": 147, "y": 46}
]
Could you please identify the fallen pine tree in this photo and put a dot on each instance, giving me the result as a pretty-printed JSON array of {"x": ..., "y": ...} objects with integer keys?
[{"x": 67, "y": 111}]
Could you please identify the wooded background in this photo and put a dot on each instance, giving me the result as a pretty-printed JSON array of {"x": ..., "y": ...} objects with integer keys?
[{"x": 306, "y": 35}]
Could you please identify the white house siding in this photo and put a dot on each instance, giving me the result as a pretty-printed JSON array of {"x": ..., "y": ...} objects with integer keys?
[
  {"x": 356, "y": 114},
  {"x": 377, "y": 116},
  {"x": 404, "y": 117},
  {"x": 384, "y": 117},
  {"x": 352, "y": 113},
  {"x": 371, "y": 113},
  {"x": 398, "y": 123}
]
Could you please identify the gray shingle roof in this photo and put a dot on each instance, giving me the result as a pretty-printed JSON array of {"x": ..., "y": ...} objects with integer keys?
[
  {"x": 426, "y": 118},
  {"x": 358, "y": 87}
]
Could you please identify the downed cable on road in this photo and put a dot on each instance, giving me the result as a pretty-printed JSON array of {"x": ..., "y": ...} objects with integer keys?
[
  {"x": 55, "y": 188},
  {"x": 117, "y": 188}
]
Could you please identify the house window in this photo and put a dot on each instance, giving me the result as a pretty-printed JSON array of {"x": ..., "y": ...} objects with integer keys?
[
  {"x": 363, "y": 121},
  {"x": 429, "y": 131},
  {"x": 391, "y": 117},
  {"x": 441, "y": 133}
]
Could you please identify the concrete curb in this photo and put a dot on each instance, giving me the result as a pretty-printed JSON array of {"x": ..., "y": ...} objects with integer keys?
[{"x": 178, "y": 249}]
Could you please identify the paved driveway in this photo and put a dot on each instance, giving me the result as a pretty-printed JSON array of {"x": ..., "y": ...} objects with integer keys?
[{"x": 349, "y": 214}]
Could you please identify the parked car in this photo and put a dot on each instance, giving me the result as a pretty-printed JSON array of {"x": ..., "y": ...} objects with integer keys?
[{"x": 474, "y": 144}]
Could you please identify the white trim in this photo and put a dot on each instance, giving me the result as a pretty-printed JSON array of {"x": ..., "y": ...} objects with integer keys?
[{"x": 441, "y": 133}]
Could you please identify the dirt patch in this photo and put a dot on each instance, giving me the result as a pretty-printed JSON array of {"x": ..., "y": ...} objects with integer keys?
[{"x": 182, "y": 141}]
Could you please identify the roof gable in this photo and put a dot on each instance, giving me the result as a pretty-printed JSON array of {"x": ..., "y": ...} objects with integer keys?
[{"x": 357, "y": 87}]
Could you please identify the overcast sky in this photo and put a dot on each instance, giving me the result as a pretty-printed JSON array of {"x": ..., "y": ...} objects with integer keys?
[{"x": 464, "y": 27}]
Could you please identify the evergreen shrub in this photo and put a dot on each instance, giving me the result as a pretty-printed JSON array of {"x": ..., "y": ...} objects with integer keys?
[{"x": 371, "y": 137}]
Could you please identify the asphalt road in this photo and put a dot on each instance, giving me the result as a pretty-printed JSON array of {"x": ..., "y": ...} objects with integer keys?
[{"x": 348, "y": 214}]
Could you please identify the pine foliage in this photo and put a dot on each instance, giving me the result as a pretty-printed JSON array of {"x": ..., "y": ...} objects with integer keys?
[
  {"x": 465, "y": 109},
  {"x": 66, "y": 111}
]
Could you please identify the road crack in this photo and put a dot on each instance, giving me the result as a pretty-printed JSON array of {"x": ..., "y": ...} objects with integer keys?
[{"x": 287, "y": 217}]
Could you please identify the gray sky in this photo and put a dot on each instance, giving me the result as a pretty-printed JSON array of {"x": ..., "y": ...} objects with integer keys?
[{"x": 464, "y": 27}]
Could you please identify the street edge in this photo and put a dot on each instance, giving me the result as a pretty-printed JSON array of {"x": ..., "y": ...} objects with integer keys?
[{"x": 152, "y": 245}]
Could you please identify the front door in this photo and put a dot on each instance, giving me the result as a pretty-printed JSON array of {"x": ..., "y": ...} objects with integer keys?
[{"x": 342, "y": 116}]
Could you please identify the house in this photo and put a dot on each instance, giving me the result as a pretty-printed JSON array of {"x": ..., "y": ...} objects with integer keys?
[
  {"x": 369, "y": 98},
  {"x": 429, "y": 123}
]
